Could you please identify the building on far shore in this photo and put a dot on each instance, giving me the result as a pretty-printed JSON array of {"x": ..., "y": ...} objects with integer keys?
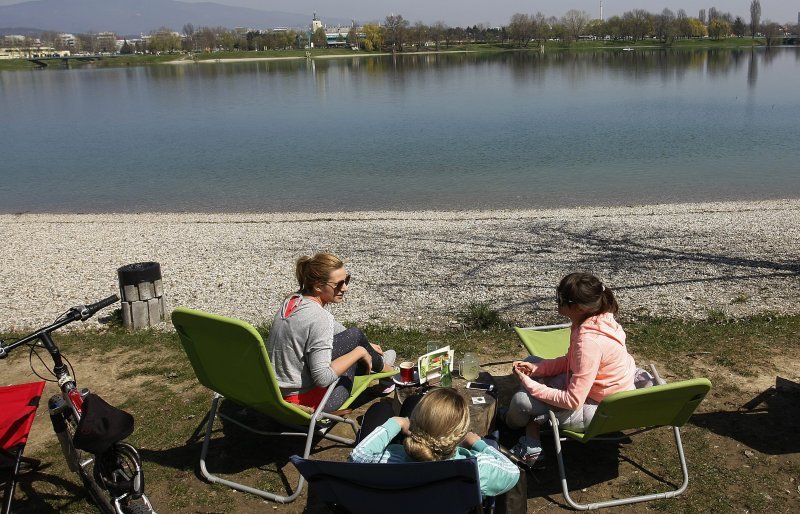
[
  {"x": 66, "y": 40},
  {"x": 335, "y": 36},
  {"x": 14, "y": 46},
  {"x": 32, "y": 52}
]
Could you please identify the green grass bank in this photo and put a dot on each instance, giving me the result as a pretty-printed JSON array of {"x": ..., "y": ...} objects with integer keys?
[
  {"x": 145, "y": 60},
  {"x": 739, "y": 460}
]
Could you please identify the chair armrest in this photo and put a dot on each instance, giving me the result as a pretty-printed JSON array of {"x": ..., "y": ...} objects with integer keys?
[
  {"x": 548, "y": 327},
  {"x": 656, "y": 376}
]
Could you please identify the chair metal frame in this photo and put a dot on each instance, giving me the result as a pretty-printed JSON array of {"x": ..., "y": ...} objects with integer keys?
[
  {"x": 313, "y": 430},
  {"x": 681, "y": 415},
  {"x": 304, "y": 424}
]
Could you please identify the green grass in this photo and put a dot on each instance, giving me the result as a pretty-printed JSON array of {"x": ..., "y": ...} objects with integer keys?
[
  {"x": 16, "y": 65},
  {"x": 149, "y": 375},
  {"x": 409, "y": 343},
  {"x": 739, "y": 345},
  {"x": 740, "y": 298},
  {"x": 316, "y": 52},
  {"x": 480, "y": 316},
  {"x": 143, "y": 60},
  {"x": 730, "y": 42},
  {"x": 135, "y": 60},
  {"x": 105, "y": 62}
]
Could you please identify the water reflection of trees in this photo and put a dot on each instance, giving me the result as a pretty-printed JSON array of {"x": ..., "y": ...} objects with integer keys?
[
  {"x": 633, "y": 64},
  {"x": 630, "y": 65}
]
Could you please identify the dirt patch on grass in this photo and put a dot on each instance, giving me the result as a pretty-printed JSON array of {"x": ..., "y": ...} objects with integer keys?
[
  {"x": 741, "y": 446},
  {"x": 106, "y": 373}
]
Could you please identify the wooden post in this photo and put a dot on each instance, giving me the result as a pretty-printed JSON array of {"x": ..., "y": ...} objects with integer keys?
[{"x": 142, "y": 294}]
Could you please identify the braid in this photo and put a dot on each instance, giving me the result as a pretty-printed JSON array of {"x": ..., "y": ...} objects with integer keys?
[
  {"x": 439, "y": 423},
  {"x": 421, "y": 445}
]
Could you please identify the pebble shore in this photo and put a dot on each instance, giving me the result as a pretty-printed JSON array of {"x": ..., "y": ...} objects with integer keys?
[{"x": 417, "y": 269}]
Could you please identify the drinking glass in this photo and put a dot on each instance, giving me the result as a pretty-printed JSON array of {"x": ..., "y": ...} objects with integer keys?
[
  {"x": 433, "y": 346},
  {"x": 470, "y": 366},
  {"x": 407, "y": 372}
]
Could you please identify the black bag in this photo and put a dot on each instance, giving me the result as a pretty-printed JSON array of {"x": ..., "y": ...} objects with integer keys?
[{"x": 101, "y": 425}]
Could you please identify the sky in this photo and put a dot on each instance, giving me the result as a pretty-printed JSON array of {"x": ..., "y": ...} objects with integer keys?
[{"x": 498, "y": 12}]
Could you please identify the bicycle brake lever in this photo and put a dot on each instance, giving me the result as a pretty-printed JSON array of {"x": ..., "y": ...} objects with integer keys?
[{"x": 83, "y": 311}]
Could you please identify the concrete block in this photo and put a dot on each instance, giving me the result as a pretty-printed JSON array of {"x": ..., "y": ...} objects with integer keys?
[
  {"x": 158, "y": 288},
  {"x": 130, "y": 293},
  {"x": 146, "y": 291},
  {"x": 140, "y": 316},
  {"x": 127, "y": 322},
  {"x": 154, "y": 311}
]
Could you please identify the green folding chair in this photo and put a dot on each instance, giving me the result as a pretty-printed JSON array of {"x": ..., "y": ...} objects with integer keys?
[
  {"x": 640, "y": 410},
  {"x": 229, "y": 357},
  {"x": 546, "y": 342}
]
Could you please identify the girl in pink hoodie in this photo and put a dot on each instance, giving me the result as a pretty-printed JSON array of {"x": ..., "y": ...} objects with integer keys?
[{"x": 596, "y": 365}]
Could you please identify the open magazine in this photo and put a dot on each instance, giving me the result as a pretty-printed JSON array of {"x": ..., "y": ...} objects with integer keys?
[{"x": 430, "y": 364}]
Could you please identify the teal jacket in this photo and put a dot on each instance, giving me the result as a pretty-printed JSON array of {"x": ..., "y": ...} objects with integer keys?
[{"x": 497, "y": 474}]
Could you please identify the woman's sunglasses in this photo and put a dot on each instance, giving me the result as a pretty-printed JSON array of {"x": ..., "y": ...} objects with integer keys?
[
  {"x": 340, "y": 284},
  {"x": 560, "y": 300}
]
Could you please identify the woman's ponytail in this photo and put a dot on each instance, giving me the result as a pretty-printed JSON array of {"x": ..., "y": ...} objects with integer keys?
[
  {"x": 588, "y": 292},
  {"x": 315, "y": 270},
  {"x": 608, "y": 302}
]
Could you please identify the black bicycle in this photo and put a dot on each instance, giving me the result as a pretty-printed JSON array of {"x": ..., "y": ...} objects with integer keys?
[{"x": 90, "y": 431}]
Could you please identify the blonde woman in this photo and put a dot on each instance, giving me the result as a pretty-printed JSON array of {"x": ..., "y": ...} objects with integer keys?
[
  {"x": 437, "y": 429},
  {"x": 309, "y": 350}
]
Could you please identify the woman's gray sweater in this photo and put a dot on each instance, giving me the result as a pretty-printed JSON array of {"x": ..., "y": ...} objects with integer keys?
[{"x": 300, "y": 345}]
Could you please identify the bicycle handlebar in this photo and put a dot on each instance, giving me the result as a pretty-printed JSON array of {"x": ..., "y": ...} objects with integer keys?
[
  {"x": 79, "y": 312},
  {"x": 91, "y": 309}
]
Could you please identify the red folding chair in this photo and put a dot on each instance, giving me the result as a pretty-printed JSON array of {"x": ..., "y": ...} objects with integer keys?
[{"x": 18, "y": 405}]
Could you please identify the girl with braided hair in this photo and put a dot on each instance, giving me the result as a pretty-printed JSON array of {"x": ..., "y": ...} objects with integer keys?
[{"x": 436, "y": 429}]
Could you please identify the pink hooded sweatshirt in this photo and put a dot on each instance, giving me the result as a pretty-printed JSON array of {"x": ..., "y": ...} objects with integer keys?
[{"x": 597, "y": 365}]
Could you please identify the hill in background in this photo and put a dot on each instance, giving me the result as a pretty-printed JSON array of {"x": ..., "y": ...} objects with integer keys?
[{"x": 132, "y": 17}]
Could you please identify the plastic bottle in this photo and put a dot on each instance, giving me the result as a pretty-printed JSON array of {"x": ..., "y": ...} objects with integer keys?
[{"x": 447, "y": 377}]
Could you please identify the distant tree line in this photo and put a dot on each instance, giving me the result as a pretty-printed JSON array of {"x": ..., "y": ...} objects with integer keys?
[
  {"x": 639, "y": 24},
  {"x": 398, "y": 34}
]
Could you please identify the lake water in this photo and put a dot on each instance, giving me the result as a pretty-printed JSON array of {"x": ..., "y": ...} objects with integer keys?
[{"x": 416, "y": 131}]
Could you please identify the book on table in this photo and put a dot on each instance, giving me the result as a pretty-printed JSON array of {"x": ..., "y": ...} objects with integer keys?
[{"x": 429, "y": 366}]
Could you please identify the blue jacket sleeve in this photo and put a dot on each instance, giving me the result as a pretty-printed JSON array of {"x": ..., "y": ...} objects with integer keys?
[
  {"x": 497, "y": 474},
  {"x": 373, "y": 447}
]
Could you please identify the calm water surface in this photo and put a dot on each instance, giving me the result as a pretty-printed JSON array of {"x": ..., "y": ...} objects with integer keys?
[{"x": 419, "y": 131}]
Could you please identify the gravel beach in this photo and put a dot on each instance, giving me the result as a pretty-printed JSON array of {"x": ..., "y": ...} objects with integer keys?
[{"x": 417, "y": 269}]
